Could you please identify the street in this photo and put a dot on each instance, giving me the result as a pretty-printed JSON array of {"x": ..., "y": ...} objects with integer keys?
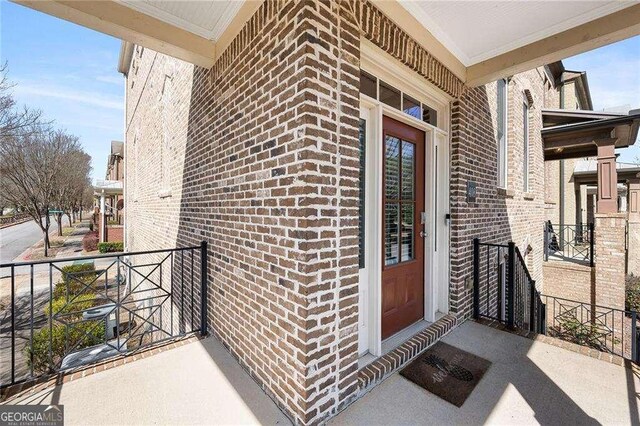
[{"x": 17, "y": 238}]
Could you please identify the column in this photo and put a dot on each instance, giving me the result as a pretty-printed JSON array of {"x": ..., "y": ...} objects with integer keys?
[
  {"x": 633, "y": 207},
  {"x": 610, "y": 259},
  {"x": 103, "y": 222},
  {"x": 607, "y": 176}
]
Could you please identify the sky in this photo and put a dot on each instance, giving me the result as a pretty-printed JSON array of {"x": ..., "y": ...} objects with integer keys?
[
  {"x": 69, "y": 72},
  {"x": 613, "y": 73}
]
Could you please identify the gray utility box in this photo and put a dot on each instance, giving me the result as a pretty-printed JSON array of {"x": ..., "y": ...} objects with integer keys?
[{"x": 106, "y": 312}]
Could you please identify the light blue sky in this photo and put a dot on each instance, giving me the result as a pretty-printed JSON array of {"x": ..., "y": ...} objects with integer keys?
[
  {"x": 614, "y": 79},
  {"x": 69, "y": 72}
]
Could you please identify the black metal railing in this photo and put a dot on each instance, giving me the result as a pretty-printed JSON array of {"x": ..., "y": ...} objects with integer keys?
[
  {"x": 60, "y": 314},
  {"x": 602, "y": 328},
  {"x": 503, "y": 289},
  {"x": 569, "y": 242}
]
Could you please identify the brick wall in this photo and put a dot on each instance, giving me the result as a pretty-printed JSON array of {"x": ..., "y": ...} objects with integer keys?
[
  {"x": 258, "y": 156},
  {"x": 569, "y": 280},
  {"x": 497, "y": 215},
  {"x": 610, "y": 259}
]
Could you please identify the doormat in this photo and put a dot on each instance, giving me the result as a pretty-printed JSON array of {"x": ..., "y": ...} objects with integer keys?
[{"x": 447, "y": 371}]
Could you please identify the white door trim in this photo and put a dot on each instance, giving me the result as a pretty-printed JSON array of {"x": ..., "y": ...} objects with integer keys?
[{"x": 436, "y": 139}]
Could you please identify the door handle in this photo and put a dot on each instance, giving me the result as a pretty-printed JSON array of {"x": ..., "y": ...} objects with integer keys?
[{"x": 423, "y": 234}]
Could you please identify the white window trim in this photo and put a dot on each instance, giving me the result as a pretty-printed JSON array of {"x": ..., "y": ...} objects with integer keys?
[
  {"x": 503, "y": 161},
  {"x": 525, "y": 132}
]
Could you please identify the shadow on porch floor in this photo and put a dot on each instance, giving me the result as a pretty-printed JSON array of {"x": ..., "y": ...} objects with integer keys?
[
  {"x": 528, "y": 382},
  {"x": 197, "y": 383}
]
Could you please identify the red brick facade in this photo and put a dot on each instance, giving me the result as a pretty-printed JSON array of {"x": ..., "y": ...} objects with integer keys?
[{"x": 259, "y": 156}]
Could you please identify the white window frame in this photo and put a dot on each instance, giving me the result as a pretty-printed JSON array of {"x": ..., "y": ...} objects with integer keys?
[{"x": 502, "y": 128}]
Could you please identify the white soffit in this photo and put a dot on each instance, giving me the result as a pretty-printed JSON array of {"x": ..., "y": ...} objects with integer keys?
[
  {"x": 475, "y": 31},
  {"x": 208, "y": 19}
]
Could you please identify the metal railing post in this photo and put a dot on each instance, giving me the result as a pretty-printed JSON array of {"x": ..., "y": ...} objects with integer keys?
[
  {"x": 532, "y": 305},
  {"x": 545, "y": 252},
  {"x": 476, "y": 278},
  {"x": 591, "y": 244},
  {"x": 203, "y": 288},
  {"x": 634, "y": 337},
  {"x": 511, "y": 281},
  {"x": 13, "y": 325}
]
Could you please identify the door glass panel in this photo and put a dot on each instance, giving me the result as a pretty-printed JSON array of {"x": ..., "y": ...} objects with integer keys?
[
  {"x": 408, "y": 161},
  {"x": 390, "y": 95},
  {"x": 391, "y": 243},
  {"x": 399, "y": 225},
  {"x": 407, "y": 235},
  {"x": 429, "y": 115},
  {"x": 368, "y": 84},
  {"x": 391, "y": 167},
  {"x": 411, "y": 106}
]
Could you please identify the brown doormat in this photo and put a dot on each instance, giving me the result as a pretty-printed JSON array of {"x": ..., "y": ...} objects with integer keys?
[{"x": 447, "y": 371}]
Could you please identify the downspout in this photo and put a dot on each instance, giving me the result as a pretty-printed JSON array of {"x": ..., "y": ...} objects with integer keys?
[{"x": 561, "y": 216}]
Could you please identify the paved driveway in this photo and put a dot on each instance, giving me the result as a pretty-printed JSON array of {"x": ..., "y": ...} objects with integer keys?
[{"x": 528, "y": 383}]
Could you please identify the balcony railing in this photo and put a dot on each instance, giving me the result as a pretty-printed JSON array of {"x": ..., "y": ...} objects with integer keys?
[
  {"x": 569, "y": 242},
  {"x": 65, "y": 313},
  {"x": 503, "y": 288},
  {"x": 602, "y": 328},
  {"x": 504, "y": 291}
]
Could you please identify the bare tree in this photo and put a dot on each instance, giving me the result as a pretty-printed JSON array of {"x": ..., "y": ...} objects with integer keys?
[
  {"x": 13, "y": 119},
  {"x": 40, "y": 168},
  {"x": 72, "y": 181},
  {"x": 37, "y": 169}
]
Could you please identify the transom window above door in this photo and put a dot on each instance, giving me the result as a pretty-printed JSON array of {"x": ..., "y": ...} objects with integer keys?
[{"x": 373, "y": 87}]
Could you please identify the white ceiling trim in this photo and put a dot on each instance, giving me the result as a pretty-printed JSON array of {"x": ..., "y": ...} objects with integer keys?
[
  {"x": 421, "y": 15},
  {"x": 217, "y": 29}
]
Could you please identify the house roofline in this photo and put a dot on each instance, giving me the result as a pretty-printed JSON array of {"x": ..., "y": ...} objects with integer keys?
[{"x": 126, "y": 54}]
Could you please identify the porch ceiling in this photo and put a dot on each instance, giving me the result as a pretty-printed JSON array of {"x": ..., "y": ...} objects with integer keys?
[
  {"x": 477, "y": 31},
  {"x": 478, "y": 41}
]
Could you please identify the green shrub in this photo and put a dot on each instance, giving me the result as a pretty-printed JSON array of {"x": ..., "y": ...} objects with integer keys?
[
  {"x": 111, "y": 247},
  {"x": 64, "y": 340},
  {"x": 632, "y": 293},
  {"x": 75, "y": 305},
  {"x": 74, "y": 279}
]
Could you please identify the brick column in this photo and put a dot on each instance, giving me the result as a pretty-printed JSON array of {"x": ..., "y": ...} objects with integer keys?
[
  {"x": 633, "y": 207},
  {"x": 607, "y": 176},
  {"x": 610, "y": 259}
]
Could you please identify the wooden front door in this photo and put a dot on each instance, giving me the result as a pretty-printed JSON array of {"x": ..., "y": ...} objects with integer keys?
[{"x": 403, "y": 248}]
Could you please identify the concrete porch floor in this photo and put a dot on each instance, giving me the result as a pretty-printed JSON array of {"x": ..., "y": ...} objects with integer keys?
[
  {"x": 528, "y": 382},
  {"x": 199, "y": 383}
]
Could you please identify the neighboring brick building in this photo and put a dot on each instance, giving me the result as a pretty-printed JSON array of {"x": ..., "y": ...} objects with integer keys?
[
  {"x": 115, "y": 172},
  {"x": 108, "y": 217}
]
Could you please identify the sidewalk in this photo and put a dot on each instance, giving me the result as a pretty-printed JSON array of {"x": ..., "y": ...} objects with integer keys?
[{"x": 28, "y": 308}]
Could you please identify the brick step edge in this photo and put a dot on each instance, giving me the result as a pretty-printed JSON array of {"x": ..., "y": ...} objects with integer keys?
[{"x": 377, "y": 371}]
